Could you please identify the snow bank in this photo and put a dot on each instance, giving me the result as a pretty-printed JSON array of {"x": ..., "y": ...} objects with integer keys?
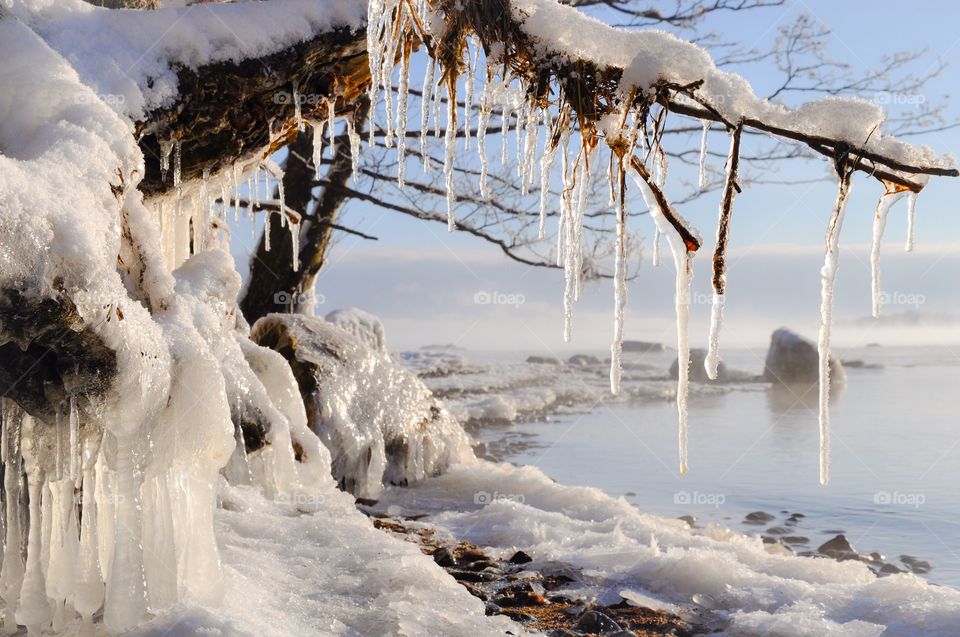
[
  {"x": 611, "y": 546},
  {"x": 381, "y": 424},
  {"x": 362, "y": 325},
  {"x": 130, "y": 58}
]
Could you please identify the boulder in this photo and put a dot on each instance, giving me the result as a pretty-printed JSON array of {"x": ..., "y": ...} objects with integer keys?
[
  {"x": 381, "y": 424},
  {"x": 794, "y": 359},
  {"x": 584, "y": 360},
  {"x": 543, "y": 360},
  {"x": 698, "y": 373},
  {"x": 643, "y": 347}
]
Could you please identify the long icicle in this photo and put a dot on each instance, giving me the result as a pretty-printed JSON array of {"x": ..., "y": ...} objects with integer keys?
[
  {"x": 450, "y": 145},
  {"x": 828, "y": 276},
  {"x": 402, "y": 117},
  {"x": 911, "y": 221},
  {"x": 620, "y": 284},
  {"x": 712, "y": 360},
  {"x": 891, "y": 196},
  {"x": 702, "y": 182},
  {"x": 425, "y": 101}
]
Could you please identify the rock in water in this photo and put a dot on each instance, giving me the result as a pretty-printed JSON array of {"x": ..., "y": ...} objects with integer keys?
[
  {"x": 838, "y": 548},
  {"x": 698, "y": 373},
  {"x": 794, "y": 359},
  {"x": 381, "y": 424}
]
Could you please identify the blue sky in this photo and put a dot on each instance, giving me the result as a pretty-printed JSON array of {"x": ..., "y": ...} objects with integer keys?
[{"x": 422, "y": 280}]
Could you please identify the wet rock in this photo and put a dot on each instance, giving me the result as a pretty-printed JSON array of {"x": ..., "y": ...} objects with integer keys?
[
  {"x": 543, "y": 360},
  {"x": 757, "y": 517},
  {"x": 795, "y": 539},
  {"x": 838, "y": 548},
  {"x": 777, "y": 530},
  {"x": 520, "y": 558},
  {"x": 473, "y": 576},
  {"x": 698, "y": 373},
  {"x": 920, "y": 567},
  {"x": 595, "y": 622},
  {"x": 444, "y": 557},
  {"x": 794, "y": 359},
  {"x": 689, "y": 519},
  {"x": 890, "y": 569},
  {"x": 521, "y": 594},
  {"x": 583, "y": 360}
]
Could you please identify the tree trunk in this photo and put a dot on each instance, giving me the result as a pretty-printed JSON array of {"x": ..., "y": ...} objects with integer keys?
[{"x": 273, "y": 285}]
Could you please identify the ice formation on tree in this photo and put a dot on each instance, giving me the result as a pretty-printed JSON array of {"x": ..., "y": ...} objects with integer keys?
[{"x": 652, "y": 73}]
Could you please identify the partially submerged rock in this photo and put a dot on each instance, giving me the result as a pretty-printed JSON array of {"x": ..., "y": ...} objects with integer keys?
[
  {"x": 381, "y": 424},
  {"x": 698, "y": 373},
  {"x": 794, "y": 359}
]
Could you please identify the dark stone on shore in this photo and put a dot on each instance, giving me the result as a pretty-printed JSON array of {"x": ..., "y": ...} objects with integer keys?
[
  {"x": 698, "y": 373},
  {"x": 689, "y": 519},
  {"x": 838, "y": 548},
  {"x": 543, "y": 360},
  {"x": 795, "y": 539},
  {"x": 583, "y": 360},
  {"x": 794, "y": 359},
  {"x": 890, "y": 569},
  {"x": 473, "y": 576},
  {"x": 443, "y": 557},
  {"x": 643, "y": 347},
  {"x": 520, "y": 558},
  {"x": 777, "y": 530},
  {"x": 920, "y": 567},
  {"x": 595, "y": 622},
  {"x": 757, "y": 517}
]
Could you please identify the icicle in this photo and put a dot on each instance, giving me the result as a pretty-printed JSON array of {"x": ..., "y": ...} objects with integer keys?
[
  {"x": 235, "y": 173},
  {"x": 166, "y": 147},
  {"x": 828, "y": 275},
  {"x": 11, "y": 574},
  {"x": 482, "y": 139},
  {"x": 401, "y": 120},
  {"x": 911, "y": 221},
  {"x": 88, "y": 594},
  {"x": 425, "y": 102},
  {"x": 656, "y": 247},
  {"x": 530, "y": 150},
  {"x": 317, "y": 147},
  {"x": 297, "y": 107},
  {"x": 451, "y": 146},
  {"x": 522, "y": 115},
  {"x": 436, "y": 112},
  {"x": 331, "y": 125},
  {"x": 202, "y": 232},
  {"x": 471, "y": 83},
  {"x": 295, "y": 242},
  {"x": 712, "y": 360},
  {"x": 569, "y": 256},
  {"x": 546, "y": 161},
  {"x": 683, "y": 261},
  {"x": 126, "y": 597},
  {"x": 505, "y": 114},
  {"x": 34, "y": 609},
  {"x": 354, "y": 137},
  {"x": 620, "y": 290},
  {"x": 887, "y": 200},
  {"x": 64, "y": 549},
  {"x": 702, "y": 183},
  {"x": 177, "y": 161}
]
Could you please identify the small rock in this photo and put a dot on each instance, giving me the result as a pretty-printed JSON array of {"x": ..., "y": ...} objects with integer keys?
[
  {"x": 890, "y": 569},
  {"x": 596, "y": 622},
  {"x": 920, "y": 567},
  {"x": 795, "y": 539},
  {"x": 689, "y": 519},
  {"x": 777, "y": 530},
  {"x": 520, "y": 558},
  {"x": 584, "y": 360},
  {"x": 698, "y": 373},
  {"x": 757, "y": 517},
  {"x": 839, "y": 549},
  {"x": 543, "y": 360},
  {"x": 794, "y": 359}
]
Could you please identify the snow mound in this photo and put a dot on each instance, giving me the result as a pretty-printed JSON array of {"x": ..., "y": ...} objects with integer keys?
[
  {"x": 381, "y": 424},
  {"x": 608, "y": 545},
  {"x": 362, "y": 325}
]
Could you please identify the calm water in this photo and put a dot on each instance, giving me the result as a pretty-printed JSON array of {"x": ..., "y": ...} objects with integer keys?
[{"x": 895, "y": 471}]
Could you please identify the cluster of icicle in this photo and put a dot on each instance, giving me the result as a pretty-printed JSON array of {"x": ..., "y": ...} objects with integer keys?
[{"x": 387, "y": 18}]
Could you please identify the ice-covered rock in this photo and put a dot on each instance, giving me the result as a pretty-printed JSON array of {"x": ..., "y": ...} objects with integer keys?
[
  {"x": 363, "y": 325},
  {"x": 794, "y": 359},
  {"x": 381, "y": 424}
]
